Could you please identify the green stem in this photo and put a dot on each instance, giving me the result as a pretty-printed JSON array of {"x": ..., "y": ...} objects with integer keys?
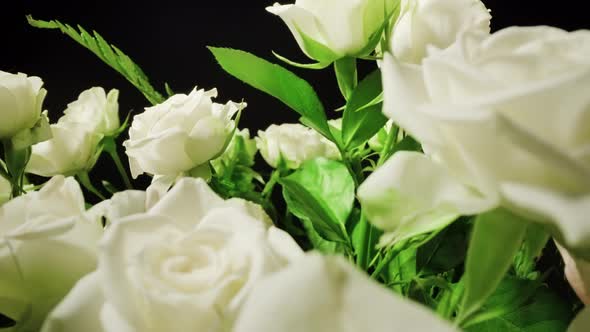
[
  {"x": 383, "y": 263},
  {"x": 389, "y": 143},
  {"x": 268, "y": 188},
  {"x": 363, "y": 250},
  {"x": 84, "y": 179},
  {"x": 16, "y": 161},
  {"x": 115, "y": 156}
]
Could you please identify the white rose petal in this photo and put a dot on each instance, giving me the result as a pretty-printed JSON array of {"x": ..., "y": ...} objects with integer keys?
[
  {"x": 120, "y": 205},
  {"x": 72, "y": 149},
  {"x": 345, "y": 27},
  {"x": 180, "y": 134},
  {"x": 185, "y": 265},
  {"x": 577, "y": 272},
  {"x": 324, "y": 294},
  {"x": 411, "y": 195},
  {"x": 46, "y": 246},
  {"x": 293, "y": 144},
  {"x": 97, "y": 110},
  {"x": 21, "y": 100},
  {"x": 581, "y": 322},
  {"x": 435, "y": 23}
]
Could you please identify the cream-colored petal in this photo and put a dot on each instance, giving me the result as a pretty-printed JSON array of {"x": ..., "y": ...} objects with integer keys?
[
  {"x": 328, "y": 294},
  {"x": 411, "y": 194},
  {"x": 566, "y": 215},
  {"x": 581, "y": 322},
  {"x": 80, "y": 309},
  {"x": 299, "y": 19},
  {"x": 577, "y": 272},
  {"x": 187, "y": 202}
]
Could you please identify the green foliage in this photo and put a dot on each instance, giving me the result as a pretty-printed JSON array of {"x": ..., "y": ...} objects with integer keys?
[
  {"x": 522, "y": 306},
  {"x": 365, "y": 238},
  {"x": 277, "y": 82},
  {"x": 402, "y": 270},
  {"x": 322, "y": 191},
  {"x": 496, "y": 238},
  {"x": 525, "y": 261},
  {"x": 233, "y": 169},
  {"x": 362, "y": 116},
  {"x": 108, "y": 53},
  {"x": 445, "y": 251},
  {"x": 318, "y": 243}
]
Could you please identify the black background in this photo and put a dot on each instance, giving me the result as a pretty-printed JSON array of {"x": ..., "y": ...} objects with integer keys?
[{"x": 168, "y": 40}]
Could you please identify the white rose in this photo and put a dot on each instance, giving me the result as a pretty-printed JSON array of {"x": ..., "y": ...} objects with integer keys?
[
  {"x": 21, "y": 99},
  {"x": 438, "y": 23},
  {"x": 293, "y": 144},
  {"x": 326, "y": 294},
  {"x": 343, "y": 27},
  {"x": 505, "y": 120},
  {"x": 72, "y": 149},
  {"x": 97, "y": 110},
  {"x": 46, "y": 245},
  {"x": 185, "y": 265},
  {"x": 182, "y": 133},
  {"x": 120, "y": 205}
]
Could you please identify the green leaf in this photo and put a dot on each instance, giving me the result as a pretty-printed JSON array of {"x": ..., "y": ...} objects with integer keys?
[
  {"x": 445, "y": 251},
  {"x": 359, "y": 122},
  {"x": 346, "y": 75},
  {"x": 522, "y": 306},
  {"x": 322, "y": 191},
  {"x": 320, "y": 244},
  {"x": 317, "y": 65},
  {"x": 110, "y": 54},
  {"x": 525, "y": 261},
  {"x": 402, "y": 269},
  {"x": 408, "y": 143},
  {"x": 449, "y": 299},
  {"x": 277, "y": 82},
  {"x": 496, "y": 238},
  {"x": 365, "y": 238}
]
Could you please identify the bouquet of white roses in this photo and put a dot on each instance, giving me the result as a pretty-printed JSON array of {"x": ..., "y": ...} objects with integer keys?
[{"x": 425, "y": 203}]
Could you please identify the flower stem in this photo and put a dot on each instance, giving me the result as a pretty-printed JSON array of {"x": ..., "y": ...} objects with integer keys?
[
  {"x": 383, "y": 263},
  {"x": 363, "y": 250},
  {"x": 268, "y": 188},
  {"x": 16, "y": 161},
  {"x": 110, "y": 146},
  {"x": 389, "y": 144},
  {"x": 115, "y": 156},
  {"x": 84, "y": 179}
]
